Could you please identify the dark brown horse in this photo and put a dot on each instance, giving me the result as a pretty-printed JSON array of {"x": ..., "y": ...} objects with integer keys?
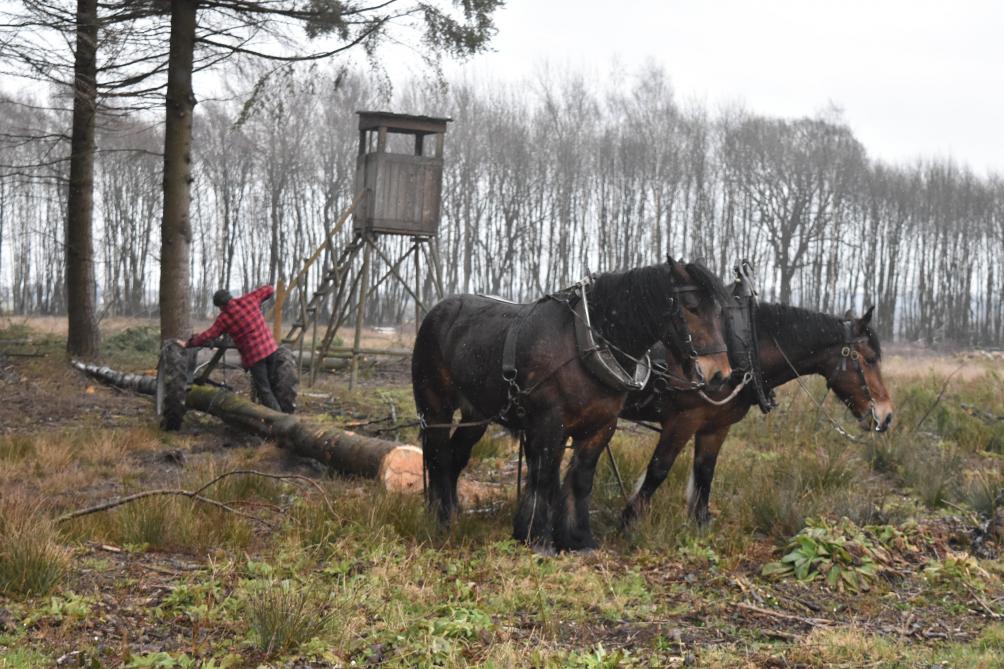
[
  {"x": 548, "y": 391},
  {"x": 845, "y": 352}
]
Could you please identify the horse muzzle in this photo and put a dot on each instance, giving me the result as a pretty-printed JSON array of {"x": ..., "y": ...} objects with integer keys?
[
  {"x": 714, "y": 370},
  {"x": 879, "y": 419}
]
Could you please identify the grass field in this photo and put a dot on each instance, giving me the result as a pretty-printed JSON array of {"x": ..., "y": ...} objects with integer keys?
[{"x": 823, "y": 552}]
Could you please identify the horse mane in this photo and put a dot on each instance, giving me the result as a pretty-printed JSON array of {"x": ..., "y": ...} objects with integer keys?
[
  {"x": 639, "y": 300},
  {"x": 802, "y": 331},
  {"x": 629, "y": 306}
]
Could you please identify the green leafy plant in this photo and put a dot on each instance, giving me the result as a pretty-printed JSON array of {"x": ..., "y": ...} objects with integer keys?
[
  {"x": 844, "y": 555},
  {"x": 955, "y": 568},
  {"x": 161, "y": 660},
  {"x": 60, "y": 608},
  {"x": 460, "y": 623},
  {"x": 598, "y": 657}
]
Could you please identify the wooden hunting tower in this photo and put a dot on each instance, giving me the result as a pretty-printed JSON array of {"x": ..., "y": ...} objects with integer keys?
[{"x": 402, "y": 189}]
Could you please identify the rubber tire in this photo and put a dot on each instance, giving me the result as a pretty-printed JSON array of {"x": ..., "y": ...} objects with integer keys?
[
  {"x": 285, "y": 380},
  {"x": 172, "y": 385}
]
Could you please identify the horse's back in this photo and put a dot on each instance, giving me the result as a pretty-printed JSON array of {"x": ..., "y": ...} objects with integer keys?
[
  {"x": 461, "y": 341},
  {"x": 467, "y": 320}
]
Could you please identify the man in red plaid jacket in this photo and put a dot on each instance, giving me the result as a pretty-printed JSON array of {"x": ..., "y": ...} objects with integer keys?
[{"x": 241, "y": 318}]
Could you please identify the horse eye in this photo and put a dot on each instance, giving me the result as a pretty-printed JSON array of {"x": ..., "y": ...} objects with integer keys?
[{"x": 871, "y": 361}]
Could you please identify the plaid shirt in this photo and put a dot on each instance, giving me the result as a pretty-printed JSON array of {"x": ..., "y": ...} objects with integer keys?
[{"x": 241, "y": 318}]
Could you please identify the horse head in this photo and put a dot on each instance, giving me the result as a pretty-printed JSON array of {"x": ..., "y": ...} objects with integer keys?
[
  {"x": 696, "y": 334},
  {"x": 853, "y": 371}
]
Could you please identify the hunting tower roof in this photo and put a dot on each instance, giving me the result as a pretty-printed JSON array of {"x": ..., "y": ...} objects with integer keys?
[{"x": 402, "y": 123}]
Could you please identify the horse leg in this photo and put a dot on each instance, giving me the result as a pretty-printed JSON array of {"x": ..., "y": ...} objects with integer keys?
[
  {"x": 672, "y": 440},
  {"x": 461, "y": 444},
  {"x": 706, "y": 448},
  {"x": 534, "y": 521},
  {"x": 433, "y": 388},
  {"x": 438, "y": 466},
  {"x": 572, "y": 531}
]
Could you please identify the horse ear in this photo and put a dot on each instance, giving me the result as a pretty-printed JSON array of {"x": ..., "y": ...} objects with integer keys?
[
  {"x": 677, "y": 268},
  {"x": 849, "y": 315},
  {"x": 867, "y": 318}
]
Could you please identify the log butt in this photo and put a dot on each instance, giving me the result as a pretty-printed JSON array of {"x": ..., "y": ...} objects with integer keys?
[{"x": 401, "y": 470}]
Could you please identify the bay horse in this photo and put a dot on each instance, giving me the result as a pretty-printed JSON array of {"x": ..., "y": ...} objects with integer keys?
[
  {"x": 791, "y": 342},
  {"x": 520, "y": 365}
]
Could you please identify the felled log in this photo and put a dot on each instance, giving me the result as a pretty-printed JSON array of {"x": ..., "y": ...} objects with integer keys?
[
  {"x": 233, "y": 359},
  {"x": 139, "y": 383},
  {"x": 398, "y": 467}
]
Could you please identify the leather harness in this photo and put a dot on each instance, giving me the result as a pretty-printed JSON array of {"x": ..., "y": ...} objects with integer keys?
[
  {"x": 597, "y": 357},
  {"x": 744, "y": 343}
]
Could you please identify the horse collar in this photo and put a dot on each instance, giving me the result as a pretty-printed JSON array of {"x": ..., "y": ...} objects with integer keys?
[{"x": 598, "y": 358}]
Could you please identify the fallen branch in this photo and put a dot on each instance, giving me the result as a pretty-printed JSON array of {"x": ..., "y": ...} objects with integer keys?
[
  {"x": 105, "y": 506},
  {"x": 979, "y": 600},
  {"x": 255, "y": 472},
  {"x": 982, "y": 414},
  {"x": 814, "y": 622}
]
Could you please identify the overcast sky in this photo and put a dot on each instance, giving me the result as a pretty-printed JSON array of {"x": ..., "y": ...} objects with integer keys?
[{"x": 913, "y": 77}]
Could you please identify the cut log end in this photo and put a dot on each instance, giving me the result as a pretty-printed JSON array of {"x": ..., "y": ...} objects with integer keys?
[{"x": 401, "y": 470}]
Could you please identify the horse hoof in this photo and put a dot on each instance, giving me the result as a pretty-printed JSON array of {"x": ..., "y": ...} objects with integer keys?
[
  {"x": 579, "y": 547},
  {"x": 543, "y": 549},
  {"x": 629, "y": 517},
  {"x": 702, "y": 521}
]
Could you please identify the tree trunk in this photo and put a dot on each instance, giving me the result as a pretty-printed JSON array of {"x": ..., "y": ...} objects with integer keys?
[
  {"x": 82, "y": 328},
  {"x": 176, "y": 227},
  {"x": 398, "y": 467}
]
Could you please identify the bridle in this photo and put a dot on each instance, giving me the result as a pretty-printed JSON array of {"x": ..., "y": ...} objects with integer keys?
[
  {"x": 683, "y": 341},
  {"x": 849, "y": 356}
]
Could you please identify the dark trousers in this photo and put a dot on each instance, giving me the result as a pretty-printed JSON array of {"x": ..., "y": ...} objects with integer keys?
[{"x": 261, "y": 373}]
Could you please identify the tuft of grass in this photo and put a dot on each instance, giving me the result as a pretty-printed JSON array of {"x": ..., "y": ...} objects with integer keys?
[
  {"x": 282, "y": 615},
  {"x": 16, "y": 448},
  {"x": 932, "y": 472},
  {"x": 849, "y": 648},
  {"x": 983, "y": 491},
  {"x": 32, "y": 561},
  {"x": 24, "y": 658},
  {"x": 779, "y": 493}
]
